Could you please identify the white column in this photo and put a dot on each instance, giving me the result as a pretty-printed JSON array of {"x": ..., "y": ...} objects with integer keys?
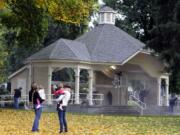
[
  {"x": 29, "y": 77},
  {"x": 159, "y": 92},
  {"x": 77, "y": 75},
  {"x": 29, "y": 83},
  {"x": 167, "y": 91},
  {"x": 49, "y": 101},
  {"x": 90, "y": 71}
]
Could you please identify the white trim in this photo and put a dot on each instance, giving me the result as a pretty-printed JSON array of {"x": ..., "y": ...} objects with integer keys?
[
  {"x": 105, "y": 19},
  {"x": 76, "y": 62},
  {"x": 129, "y": 58},
  {"x": 77, "y": 86},
  {"x": 49, "y": 84},
  {"x": 91, "y": 77},
  {"x": 17, "y": 72},
  {"x": 146, "y": 52},
  {"x": 115, "y": 12},
  {"x": 159, "y": 92},
  {"x": 89, "y": 62}
]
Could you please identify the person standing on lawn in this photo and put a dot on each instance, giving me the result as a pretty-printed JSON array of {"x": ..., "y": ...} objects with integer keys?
[
  {"x": 34, "y": 97},
  {"x": 172, "y": 102},
  {"x": 64, "y": 98},
  {"x": 17, "y": 95}
]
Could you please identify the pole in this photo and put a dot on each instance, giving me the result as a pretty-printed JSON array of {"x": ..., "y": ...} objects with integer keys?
[
  {"x": 118, "y": 95},
  {"x": 119, "y": 89}
]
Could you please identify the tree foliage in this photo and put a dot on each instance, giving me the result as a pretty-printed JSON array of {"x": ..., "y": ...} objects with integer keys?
[
  {"x": 137, "y": 16},
  {"x": 3, "y": 56},
  {"x": 26, "y": 25},
  {"x": 157, "y": 23},
  {"x": 69, "y": 11},
  {"x": 165, "y": 38},
  {"x": 31, "y": 24}
]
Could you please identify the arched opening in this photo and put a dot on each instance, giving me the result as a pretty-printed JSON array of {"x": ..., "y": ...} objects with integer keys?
[
  {"x": 67, "y": 76},
  {"x": 109, "y": 98}
]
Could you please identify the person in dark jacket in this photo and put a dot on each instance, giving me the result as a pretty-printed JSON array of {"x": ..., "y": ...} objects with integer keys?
[
  {"x": 172, "y": 102},
  {"x": 34, "y": 97},
  {"x": 17, "y": 95}
]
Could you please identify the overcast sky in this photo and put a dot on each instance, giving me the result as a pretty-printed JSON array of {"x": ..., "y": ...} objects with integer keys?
[{"x": 100, "y": 2}]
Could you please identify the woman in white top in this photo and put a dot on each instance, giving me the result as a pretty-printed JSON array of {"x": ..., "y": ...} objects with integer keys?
[{"x": 62, "y": 112}]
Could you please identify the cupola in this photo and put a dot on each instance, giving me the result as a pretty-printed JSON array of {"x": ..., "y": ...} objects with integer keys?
[{"x": 107, "y": 15}]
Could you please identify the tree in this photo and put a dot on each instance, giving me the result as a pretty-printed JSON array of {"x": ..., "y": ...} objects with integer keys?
[
  {"x": 165, "y": 38},
  {"x": 29, "y": 24},
  {"x": 137, "y": 16},
  {"x": 157, "y": 23},
  {"x": 3, "y": 56},
  {"x": 26, "y": 26},
  {"x": 70, "y": 11}
]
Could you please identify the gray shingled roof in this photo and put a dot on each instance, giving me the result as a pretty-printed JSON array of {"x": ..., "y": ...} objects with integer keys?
[
  {"x": 108, "y": 43},
  {"x": 63, "y": 49},
  {"x": 106, "y": 9},
  {"x": 105, "y": 43}
]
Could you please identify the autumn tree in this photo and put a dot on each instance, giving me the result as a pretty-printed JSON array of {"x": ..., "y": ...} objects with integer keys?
[{"x": 31, "y": 24}]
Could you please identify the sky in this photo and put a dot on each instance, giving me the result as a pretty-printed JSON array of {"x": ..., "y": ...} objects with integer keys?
[
  {"x": 100, "y": 2},
  {"x": 91, "y": 25}
]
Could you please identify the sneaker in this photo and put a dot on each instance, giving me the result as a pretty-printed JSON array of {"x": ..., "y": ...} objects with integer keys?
[
  {"x": 37, "y": 130},
  {"x": 60, "y": 132}
]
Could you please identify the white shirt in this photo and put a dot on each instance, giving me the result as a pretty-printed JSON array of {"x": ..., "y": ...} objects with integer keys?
[
  {"x": 42, "y": 94},
  {"x": 65, "y": 98}
]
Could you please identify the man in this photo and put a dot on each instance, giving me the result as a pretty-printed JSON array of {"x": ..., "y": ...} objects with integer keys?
[
  {"x": 172, "y": 102},
  {"x": 17, "y": 95},
  {"x": 65, "y": 97}
]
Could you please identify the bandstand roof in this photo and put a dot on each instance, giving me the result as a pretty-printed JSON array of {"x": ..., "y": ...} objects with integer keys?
[
  {"x": 63, "y": 49},
  {"x": 106, "y": 43}
]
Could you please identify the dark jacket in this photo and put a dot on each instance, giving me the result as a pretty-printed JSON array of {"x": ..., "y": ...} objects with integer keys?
[
  {"x": 172, "y": 101},
  {"x": 17, "y": 93},
  {"x": 33, "y": 96}
]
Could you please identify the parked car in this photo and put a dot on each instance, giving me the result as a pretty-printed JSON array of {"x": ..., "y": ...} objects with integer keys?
[{"x": 5, "y": 88}]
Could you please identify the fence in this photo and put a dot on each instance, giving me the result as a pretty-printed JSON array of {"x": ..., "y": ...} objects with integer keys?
[{"x": 8, "y": 100}]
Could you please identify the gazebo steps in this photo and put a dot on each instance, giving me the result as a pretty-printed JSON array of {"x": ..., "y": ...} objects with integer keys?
[
  {"x": 118, "y": 110},
  {"x": 161, "y": 110}
]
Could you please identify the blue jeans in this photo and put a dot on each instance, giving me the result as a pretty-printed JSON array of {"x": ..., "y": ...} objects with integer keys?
[
  {"x": 62, "y": 119},
  {"x": 171, "y": 108},
  {"x": 36, "y": 119},
  {"x": 16, "y": 102}
]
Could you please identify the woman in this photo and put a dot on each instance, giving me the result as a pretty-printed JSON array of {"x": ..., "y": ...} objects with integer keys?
[
  {"x": 65, "y": 97},
  {"x": 35, "y": 99}
]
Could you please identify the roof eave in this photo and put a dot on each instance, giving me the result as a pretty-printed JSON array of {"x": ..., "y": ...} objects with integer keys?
[
  {"x": 76, "y": 61},
  {"x": 130, "y": 57},
  {"x": 18, "y": 71}
]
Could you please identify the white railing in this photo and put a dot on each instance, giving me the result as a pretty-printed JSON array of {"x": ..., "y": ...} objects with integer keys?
[
  {"x": 9, "y": 99},
  {"x": 138, "y": 103},
  {"x": 83, "y": 97}
]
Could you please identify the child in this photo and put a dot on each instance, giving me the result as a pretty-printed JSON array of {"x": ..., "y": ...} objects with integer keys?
[
  {"x": 41, "y": 92},
  {"x": 42, "y": 95},
  {"x": 38, "y": 104},
  {"x": 59, "y": 93}
]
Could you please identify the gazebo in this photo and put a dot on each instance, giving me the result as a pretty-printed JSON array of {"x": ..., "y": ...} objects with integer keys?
[{"x": 108, "y": 54}]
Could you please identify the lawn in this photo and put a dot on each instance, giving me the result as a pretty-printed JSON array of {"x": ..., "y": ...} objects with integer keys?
[{"x": 19, "y": 122}]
